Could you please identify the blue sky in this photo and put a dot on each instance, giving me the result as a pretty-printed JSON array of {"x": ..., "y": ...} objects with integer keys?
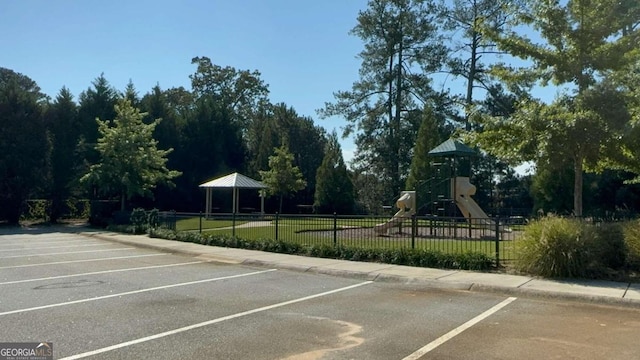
[{"x": 302, "y": 48}]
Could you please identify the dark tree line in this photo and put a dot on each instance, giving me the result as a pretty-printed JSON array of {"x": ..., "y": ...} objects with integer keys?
[{"x": 224, "y": 124}]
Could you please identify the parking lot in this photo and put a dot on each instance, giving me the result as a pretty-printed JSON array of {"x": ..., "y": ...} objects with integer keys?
[{"x": 97, "y": 299}]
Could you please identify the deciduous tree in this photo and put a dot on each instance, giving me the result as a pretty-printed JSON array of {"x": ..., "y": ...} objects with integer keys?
[
  {"x": 130, "y": 162},
  {"x": 582, "y": 40},
  {"x": 282, "y": 178}
]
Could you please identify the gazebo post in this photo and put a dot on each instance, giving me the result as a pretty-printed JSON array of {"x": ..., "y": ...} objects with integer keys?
[
  {"x": 235, "y": 199},
  {"x": 262, "y": 194},
  {"x": 207, "y": 206}
]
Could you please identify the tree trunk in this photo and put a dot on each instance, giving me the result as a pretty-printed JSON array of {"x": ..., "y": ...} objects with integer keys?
[
  {"x": 471, "y": 77},
  {"x": 577, "y": 186},
  {"x": 396, "y": 140},
  {"x": 122, "y": 201}
]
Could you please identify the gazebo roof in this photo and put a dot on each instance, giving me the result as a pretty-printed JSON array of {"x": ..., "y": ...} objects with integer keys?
[
  {"x": 234, "y": 180},
  {"x": 452, "y": 147}
]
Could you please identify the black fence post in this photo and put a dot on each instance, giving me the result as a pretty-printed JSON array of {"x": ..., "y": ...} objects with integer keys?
[
  {"x": 233, "y": 224},
  {"x": 414, "y": 229},
  {"x": 200, "y": 225},
  {"x": 175, "y": 221},
  {"x": 335, "y": 229},
  {"x": 277, "y": 220},
  {"x": 497, "y": 241}
]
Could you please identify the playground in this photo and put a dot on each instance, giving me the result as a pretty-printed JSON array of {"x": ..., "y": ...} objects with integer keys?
[{"x": 445, "y": 218}]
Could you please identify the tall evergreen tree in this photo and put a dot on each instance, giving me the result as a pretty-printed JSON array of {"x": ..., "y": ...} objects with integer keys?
[
  {"x": 97, "y": 102},
  {"x": 170, "y": 135},
  {"x": 24, "y": 147},
  {"x": 334, "y": 188},
  {"x": 131, "y": 94},
  {"x": 464, "y": 22},
  {"x": 431, "y": 133},
  {"x": 64, "y": 132}
]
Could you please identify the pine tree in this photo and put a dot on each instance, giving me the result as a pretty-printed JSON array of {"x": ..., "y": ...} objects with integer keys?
[
  {"x": 334, "y": 189},
  {"x": 64, "y": 132},
  {"x": 429, "y": 136}
]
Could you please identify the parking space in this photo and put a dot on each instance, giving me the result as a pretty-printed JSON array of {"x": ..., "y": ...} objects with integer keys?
[{"x": 98, "y": 299}]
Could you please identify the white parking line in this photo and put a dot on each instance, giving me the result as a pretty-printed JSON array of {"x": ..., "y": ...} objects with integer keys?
[
  {"x": 53, "y": 247},
  {"x": 211, "y": 322},
  {"x": 5, "y": 244},
  {"x": 79, "y": 261},
  {"x": 132, "y": 292},
  {"x": 64, "y": 253},
  {"x": 451, "y": 334},
  {"x": 101, "y": 272}
]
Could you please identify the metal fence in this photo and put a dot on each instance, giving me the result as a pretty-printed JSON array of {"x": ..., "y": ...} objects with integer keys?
[{"x": 494, "y": 237}]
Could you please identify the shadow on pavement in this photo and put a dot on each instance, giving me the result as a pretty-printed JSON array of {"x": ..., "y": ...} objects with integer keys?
[{"x": 35, "y": 229}]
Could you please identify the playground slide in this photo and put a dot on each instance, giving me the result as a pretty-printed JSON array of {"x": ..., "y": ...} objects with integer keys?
[
  {"x": 471, "y": 210},
  {"x": 406, "y": 204},
  {"x": 399, "y": 217}
]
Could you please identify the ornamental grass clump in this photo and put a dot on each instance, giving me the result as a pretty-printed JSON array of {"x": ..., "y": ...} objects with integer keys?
[
  {"x": 554, "y": 247},
  {"x": 570, "y": 248}
]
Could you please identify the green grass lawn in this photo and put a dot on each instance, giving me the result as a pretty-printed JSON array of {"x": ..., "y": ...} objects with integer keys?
[
  {"x": 318, "y": 231},
  {"x": 194, "y": 224}
]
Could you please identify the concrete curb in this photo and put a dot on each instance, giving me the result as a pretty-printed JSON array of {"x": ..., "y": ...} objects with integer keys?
[{"x": 423, "y": 283}]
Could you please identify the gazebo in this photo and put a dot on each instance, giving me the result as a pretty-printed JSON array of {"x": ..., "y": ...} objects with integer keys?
[{"x": 234, "y": 181}]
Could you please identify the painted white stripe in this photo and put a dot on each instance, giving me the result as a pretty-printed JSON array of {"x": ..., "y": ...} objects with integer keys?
[
  {"x": 54, "y": 247},
  {"x": 65, "y": 253},
  {"x": 451, "y": 334},
  {"x": 101, "y": 272},
  {"x": 38, "y": 243},
  {"x": 132, "y": 292},
  {"x": 79, "y": 261},
  {"x": 210, "y": 322}
]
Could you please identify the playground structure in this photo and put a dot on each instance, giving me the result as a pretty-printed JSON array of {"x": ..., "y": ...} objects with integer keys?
[
  {"x": 449, "y": 190},
  {"x": 407, "y": 205}
]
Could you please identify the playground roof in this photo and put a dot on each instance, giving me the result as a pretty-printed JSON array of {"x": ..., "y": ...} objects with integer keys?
[
  {"x": 234, "y": 180},
  {"x": 452, "y": 147}
]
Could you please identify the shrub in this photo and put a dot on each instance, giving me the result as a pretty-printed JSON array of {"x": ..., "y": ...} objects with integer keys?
[
  {"x": 138, "y": 219},
  {"x": 631, "y": 232},
  {"x": 412, "y": 257},
  {"x": 37, "y": 210},
  {"x": 163, "y": 233},
  {"x": 153, "y": 218},
  {"x": 609, "y": 248},
  {"x": 101, "y": 212}
]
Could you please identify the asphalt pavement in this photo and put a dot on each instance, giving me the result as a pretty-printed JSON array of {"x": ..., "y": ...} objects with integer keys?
[{"x": 596, "y": 291}]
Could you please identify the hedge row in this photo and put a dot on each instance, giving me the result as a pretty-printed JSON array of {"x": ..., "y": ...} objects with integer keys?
[{"x": 410, "y": 257}]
